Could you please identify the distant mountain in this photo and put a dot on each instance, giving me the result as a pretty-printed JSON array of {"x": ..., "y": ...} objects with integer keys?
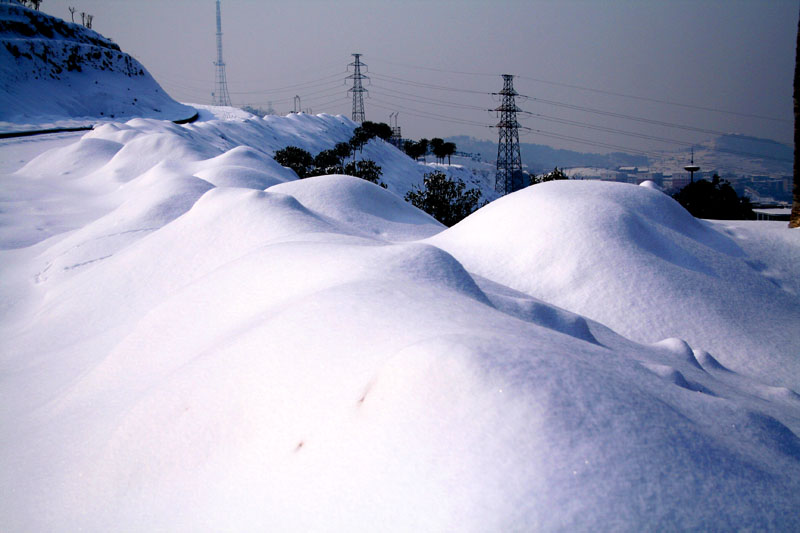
[
  {"x": 732, "y": 155},
  {"x": 59, "y": 74},
  {"x": 539, "y": 158}
]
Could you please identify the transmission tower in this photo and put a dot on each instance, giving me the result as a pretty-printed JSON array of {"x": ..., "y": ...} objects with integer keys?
[
  {"x": 220, "y": 94},
  {"x": 357, "y": 89},
  {"x": 509, "y": 162}
]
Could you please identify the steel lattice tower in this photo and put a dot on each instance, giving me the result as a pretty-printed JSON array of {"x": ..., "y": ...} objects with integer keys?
[
  {"x": 357, "y": 89},
  {"x": 220, "y": 94},
  {"x": 509, "y": 162}
]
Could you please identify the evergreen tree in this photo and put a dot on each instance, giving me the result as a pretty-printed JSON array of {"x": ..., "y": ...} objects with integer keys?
[
  {"x": 714, "y": 199},
  {"x": 343, "y": 151},
  {"x": 556, "y": 174},
  {"x": 296, "y": 159},
  {"x": 325, "y": 163},
  {"x": 444, "y": 199},
  {"x": 366, "y": 170}
]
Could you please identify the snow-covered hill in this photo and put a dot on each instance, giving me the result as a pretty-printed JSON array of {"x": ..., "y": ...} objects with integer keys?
[
  {"x": 193, "y": 340},
  {"x": 56, "y": 74}
]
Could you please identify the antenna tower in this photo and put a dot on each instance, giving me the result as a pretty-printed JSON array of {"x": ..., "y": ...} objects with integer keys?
[
  {"x": 509, "y": 162},
  {"x": 357, "y": 89},
  {"x": 691, "y": 167},
  {"x": 397, "y": 136},
  {"x": 220, "y": 94}
]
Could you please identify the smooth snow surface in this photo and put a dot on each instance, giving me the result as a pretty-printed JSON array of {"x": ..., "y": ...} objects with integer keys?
[
  {"x": 194, "y": 340},
  {"x": 635, "y": 260}
]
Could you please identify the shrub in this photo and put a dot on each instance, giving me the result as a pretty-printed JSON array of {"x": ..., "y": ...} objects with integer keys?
[
  {"x": 296, "y": 159},
  {"x": 444, "y": 199}
]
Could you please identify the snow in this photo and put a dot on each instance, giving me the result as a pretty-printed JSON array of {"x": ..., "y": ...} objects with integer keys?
[
  {"x": 622, "y": 255},
  {"x": 59, "y": 75},
  {"x": 195, "y": 340}
]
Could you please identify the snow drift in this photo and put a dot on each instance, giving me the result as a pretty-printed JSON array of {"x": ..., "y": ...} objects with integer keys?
[
  {"x": 625, "y": 256},
  {"x": 202, "y": 342}
]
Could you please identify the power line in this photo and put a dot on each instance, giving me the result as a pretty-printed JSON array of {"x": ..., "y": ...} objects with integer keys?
[
  {"x": 435, "y": 69},
  {"x": 595, "y": 90},
  {"x": 631, "y": 117},
  {"x": 424, "y": 114},
  {"x": 424, "y": 100},
  {"x": 307, "y": 85},
  {"x": 655, "y": 100},
  {"x": 395, "y": 79}
]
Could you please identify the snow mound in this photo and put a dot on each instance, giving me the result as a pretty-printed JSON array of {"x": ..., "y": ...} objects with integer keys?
[
  {"x": 181, "y": 350},
  {"x": 363, "y": 206},
  {"x": 635, "y": 260},
  {"x": 61, "y": 75}
]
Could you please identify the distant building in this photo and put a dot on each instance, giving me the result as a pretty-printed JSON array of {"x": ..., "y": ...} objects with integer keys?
[{"x": 775, "y": 213}]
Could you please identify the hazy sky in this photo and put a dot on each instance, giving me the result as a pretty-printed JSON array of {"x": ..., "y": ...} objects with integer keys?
[{"x": 730, "y": 55}]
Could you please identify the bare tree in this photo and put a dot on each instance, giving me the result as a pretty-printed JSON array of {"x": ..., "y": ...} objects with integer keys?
[
  {"x": 72, "y": 13},
  {"x": 89, "y": 19},
  {"x": 794, "y": 219},
  {"x": 83, "y": 18},
  {"x": 36, "y": 4}
]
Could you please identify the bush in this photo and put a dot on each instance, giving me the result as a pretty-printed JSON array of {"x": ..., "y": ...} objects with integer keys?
[
  {"x": 444, "y": 199},
  {"x": 325, "y": 163},
  {"x": 714, "y": 199},
  {"x": 556, "y": 174},
  {"x": 296, "y": 159},
  {"x": 366, "y": 170}
]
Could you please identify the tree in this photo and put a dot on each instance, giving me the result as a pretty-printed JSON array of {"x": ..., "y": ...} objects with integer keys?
[
  {"x": 366, "y": 170},
  {"x": 343, "y": 151},
  {"x": 296, "y": 159},
  {"x": 424, "y": 145},
  {"x": 556, "y": 174},
  {"x": 436, "y": 144},
  {"x": 714, "y": 199},
  {"x": 377, "y": 129},
  {"x": 794, "y": 219},
  {"x": 444, "y": 199},
  {"x": 325, "y": 163},
  {"x": 449, "y": 149},
  {"x": 367, "y": 131},
  {"x": 414, "y": 150}
]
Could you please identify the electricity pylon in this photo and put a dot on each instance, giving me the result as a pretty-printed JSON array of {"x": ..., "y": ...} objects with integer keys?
[
  {"x": 357, "y": 89},
  {"x": 220, "y": 94},
  {"x": 509, "y": 176}
]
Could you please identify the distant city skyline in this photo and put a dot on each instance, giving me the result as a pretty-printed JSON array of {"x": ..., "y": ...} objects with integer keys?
[{"x": 601, "y": 76}]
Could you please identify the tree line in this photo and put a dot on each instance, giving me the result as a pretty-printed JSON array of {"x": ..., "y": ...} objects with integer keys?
[{"x": 436, "y": 146}]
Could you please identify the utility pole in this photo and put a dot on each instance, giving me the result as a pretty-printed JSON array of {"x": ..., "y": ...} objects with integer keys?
[
  {"x": 357, "y": 89},
  {"x": 220, "y": 94},
  {"x": 509, "y": 162}
]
